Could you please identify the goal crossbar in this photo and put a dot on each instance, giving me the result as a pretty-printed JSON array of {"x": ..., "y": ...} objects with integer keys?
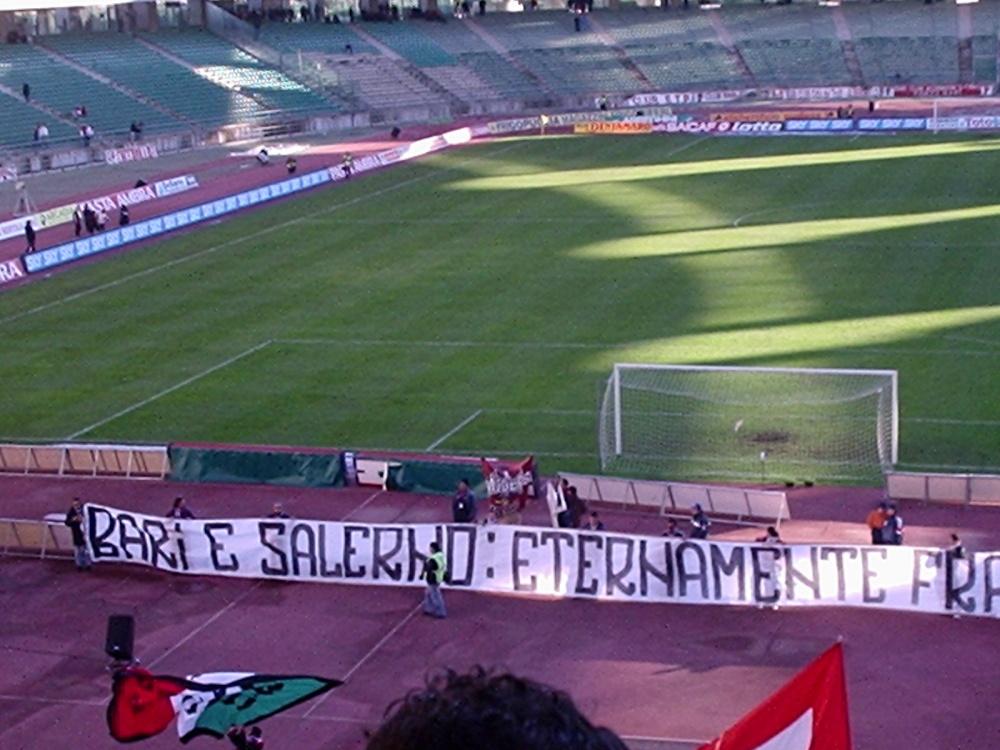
[{"x": 671, "y": 414}]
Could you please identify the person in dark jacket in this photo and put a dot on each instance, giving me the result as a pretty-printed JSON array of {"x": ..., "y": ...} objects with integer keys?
[
  {"x": 29, "y": 236},
  {"x": 278, "y": 511},
  {"x": 243, "y": 739},
  {"x": 89, "y": 219},
  {"x": 180, "y": 509},
  {"x": 699, "y": 523},
  {"x": 463, "y": 504},
  {"x": 74, "y": 519},
  {"x": 26, "y": 92},
  {"x": 77, "y": 221},
  {"x": 123, "y": 216},
  {"x": 892, "y": 532}
]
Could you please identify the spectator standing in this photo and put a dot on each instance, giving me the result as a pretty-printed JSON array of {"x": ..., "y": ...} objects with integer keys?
[
  {"x": 770, "y": 537},
  {"x": 278, "y": 511},
  {"x": 26, "y": 91},
  {"x": 673, "y": 530},
  {"x": 77, "y": 221},
  {"x": 180, "y": 510},
  {"x": 41, "y": 132},
  {"x": 74, "y": 519},
  {"x": 594, "y": 523},
  {"x": 89, "y": 219},
  {"x": 463, "y": 504},
  {"x": 434, "y": 572},
  {"x": 699, "y": 523},
  {"x": 892, "y": 532},
  {"x": 956, "y": 550},
  {"x": 86, "y": 133},
  {"x": 576, "y": 508},
  {"x": 876, "y": 521},
  {"x": 29, "y": 236}
]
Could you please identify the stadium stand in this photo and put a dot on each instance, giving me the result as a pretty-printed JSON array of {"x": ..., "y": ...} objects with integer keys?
[
  {"x": 306, "y": 37},
  {"x": 791, "y": 62},
  {"x": 909, "y": 59},
  {"x": 534, "y": 59},
  {"x": 409, "y": 43},
  {"x": 227, "y": 65},
  {"x": 20, "y": 121},
  {"x": 63, "y": 87},
  {"x": 382, "y": 83},
  {"x": 176, "y": 87},
  {"x": 686, "y": 66},
  {"x": 581, "y": 70}
]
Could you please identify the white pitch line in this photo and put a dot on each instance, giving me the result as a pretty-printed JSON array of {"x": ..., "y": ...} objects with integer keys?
[
  {"x": 370, "y": 653},
  {"x": 204, "y": 625},
  {"x": 167, "y": 391},
  {"x": 595, "y": 345},
  {"x": 464, "y": 423},
  {"x": 253, "y": 235},
  {"x": 446, "y": 344}
]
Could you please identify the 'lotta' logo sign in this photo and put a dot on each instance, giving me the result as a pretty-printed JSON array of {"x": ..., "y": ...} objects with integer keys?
[{"x": 10, "y": 270}]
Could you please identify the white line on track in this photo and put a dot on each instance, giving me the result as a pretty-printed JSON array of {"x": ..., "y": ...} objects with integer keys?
[
  {"x": 370, "y": 653},
  {"x": 204, "y": 625},
  {"x": 455, "y": 430},
  {"x": 363, "y": 505},
  {"x": 167, "y": 391},
  {"x": 53, "y": 701},
  {"x": 253, "y": 235}
]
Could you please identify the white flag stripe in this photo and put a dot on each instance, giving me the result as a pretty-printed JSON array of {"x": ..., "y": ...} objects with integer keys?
[{"x": 796, "y": 736}]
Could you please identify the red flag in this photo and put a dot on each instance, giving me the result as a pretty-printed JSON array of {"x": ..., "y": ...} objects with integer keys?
[
  {"x": 140, "y": 704},
  {"x": 807, "y": 713}
]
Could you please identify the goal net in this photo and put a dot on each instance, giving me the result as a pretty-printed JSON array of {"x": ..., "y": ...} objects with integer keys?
[{"x": 751, "y": 423}]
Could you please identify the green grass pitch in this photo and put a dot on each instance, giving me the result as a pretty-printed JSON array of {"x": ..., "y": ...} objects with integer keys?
[{"x": 474, "y": 301}]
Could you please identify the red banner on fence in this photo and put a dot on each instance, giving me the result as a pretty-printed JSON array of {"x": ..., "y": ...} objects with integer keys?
[{"x": 509, "y": 483}]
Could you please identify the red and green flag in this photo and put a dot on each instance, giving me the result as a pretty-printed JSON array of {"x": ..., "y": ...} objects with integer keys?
[{"x": 143, "y": 704}]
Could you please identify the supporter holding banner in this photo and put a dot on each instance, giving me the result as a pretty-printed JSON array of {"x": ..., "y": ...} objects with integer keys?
[
  {"x": 561, "y": 563},
  {"x": 508, "y": 487}
]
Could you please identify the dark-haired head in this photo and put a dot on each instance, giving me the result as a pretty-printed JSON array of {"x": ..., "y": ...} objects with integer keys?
[{"x": 488, "y": 711}]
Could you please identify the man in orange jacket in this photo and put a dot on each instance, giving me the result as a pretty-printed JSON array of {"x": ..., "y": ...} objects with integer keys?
[{"x": 876, "y": 520}]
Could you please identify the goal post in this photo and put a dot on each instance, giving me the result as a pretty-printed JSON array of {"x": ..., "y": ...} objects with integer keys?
[{"x": 749, "y": 423}]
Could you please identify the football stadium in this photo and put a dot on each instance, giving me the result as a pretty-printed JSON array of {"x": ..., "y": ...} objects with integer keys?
[{"x": 517, "y": 374}]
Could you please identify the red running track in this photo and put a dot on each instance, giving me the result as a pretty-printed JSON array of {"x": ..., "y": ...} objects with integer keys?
[{"x": 916, "y": 682}]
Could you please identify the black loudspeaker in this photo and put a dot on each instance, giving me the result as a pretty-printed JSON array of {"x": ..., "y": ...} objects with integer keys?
[{"x": 120, "y": 638}]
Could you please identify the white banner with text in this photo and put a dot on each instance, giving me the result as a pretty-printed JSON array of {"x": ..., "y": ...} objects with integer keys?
[{"x": 558, "y": 563}]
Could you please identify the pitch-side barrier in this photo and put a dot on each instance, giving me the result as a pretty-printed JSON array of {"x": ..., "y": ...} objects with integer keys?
[
  {"x": 42, "y": 539},
  {"x": 669, "y": 498},
  {"x": 960, "y": 489},
  {"x": 85, "y": 460}
]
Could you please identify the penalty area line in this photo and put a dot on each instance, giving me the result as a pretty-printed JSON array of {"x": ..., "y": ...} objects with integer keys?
[
  {"x": 167, "y": 391},
  {"x": 454, "y": 430}
]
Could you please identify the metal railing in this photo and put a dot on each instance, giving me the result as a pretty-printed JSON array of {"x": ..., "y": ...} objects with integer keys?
[{"x": 20, "y": 537}]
